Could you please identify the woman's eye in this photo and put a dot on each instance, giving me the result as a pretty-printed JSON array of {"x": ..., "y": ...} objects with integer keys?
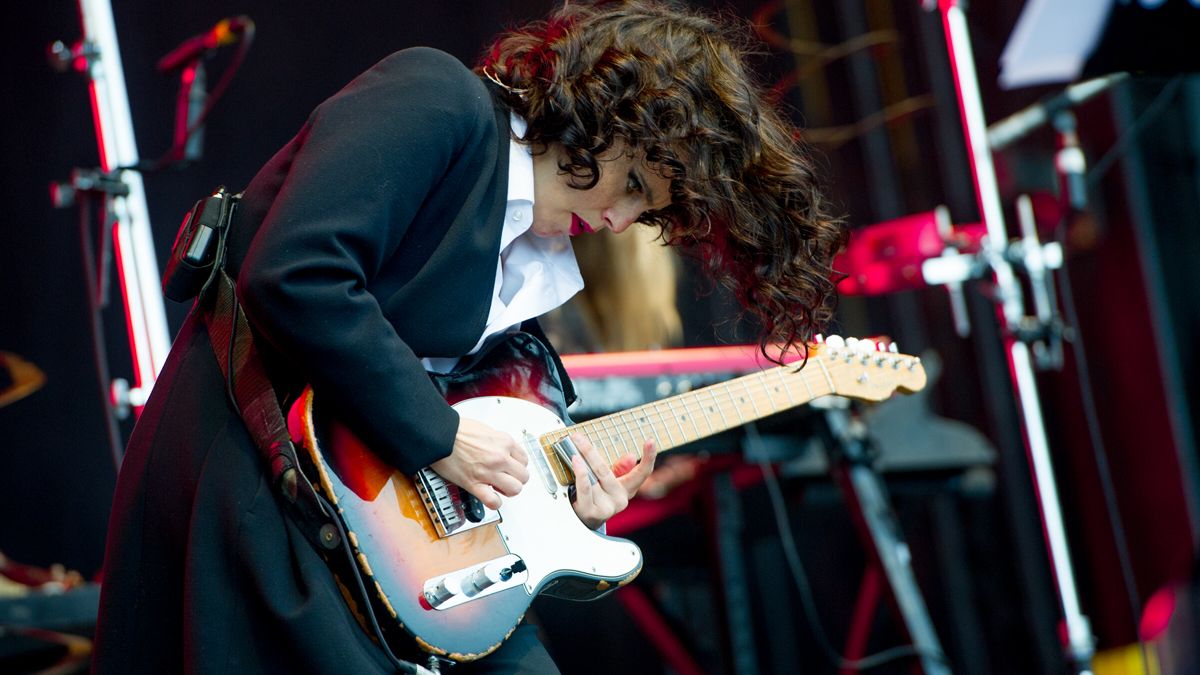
[{"x": 634, "y": 184}]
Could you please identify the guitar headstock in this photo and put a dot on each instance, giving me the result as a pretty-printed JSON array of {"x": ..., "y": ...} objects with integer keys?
[{"x": 866, "y": 369}]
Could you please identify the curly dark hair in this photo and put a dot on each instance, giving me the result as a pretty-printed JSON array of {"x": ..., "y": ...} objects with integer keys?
[{"x": 674, "y": 84}]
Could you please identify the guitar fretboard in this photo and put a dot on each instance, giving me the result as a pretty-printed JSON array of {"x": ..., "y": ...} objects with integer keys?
[{"x": 690, "y": 416}]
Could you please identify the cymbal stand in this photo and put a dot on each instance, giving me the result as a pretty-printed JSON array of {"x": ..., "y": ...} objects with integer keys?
[
  {"x": 1022, "y": 332},
  {"x": 99, "y": 56}
]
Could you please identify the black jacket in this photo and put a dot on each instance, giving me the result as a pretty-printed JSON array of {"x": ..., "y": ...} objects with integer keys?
[{"x": 366, "y": 243}]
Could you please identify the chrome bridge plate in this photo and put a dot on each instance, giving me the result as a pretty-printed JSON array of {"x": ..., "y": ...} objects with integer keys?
[{"x": 449, "y": 506}]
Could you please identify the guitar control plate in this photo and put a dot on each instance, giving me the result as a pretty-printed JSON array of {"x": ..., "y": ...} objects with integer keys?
[{"x": 474, "y": 582}]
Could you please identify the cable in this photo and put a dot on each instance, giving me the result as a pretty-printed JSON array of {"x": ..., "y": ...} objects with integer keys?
[
  {"x": 1152, "y": 111},
  {"x": 401, "y": 665},
  {"x": 836, "y": 136},
  {"x": 790, "y": 551},
  {"x": 1100, "y": 455},
  {"x": 171, "y": 158},
  {"x": 1083, "y": 370}
]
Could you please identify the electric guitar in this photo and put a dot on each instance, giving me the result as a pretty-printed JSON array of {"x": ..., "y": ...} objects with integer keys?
[{"x": 458, "y": 577}]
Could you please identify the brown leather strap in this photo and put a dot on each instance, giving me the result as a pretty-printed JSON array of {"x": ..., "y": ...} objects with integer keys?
[{"x": 255, "y": 398}]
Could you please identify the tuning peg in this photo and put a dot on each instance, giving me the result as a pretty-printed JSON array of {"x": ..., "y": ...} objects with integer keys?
[
  {"x": 819, "y": 339},
  {"x": 866, "y": 346},
  {"x": 893, "y": 348},
  {"x": 835, "y": 342}
]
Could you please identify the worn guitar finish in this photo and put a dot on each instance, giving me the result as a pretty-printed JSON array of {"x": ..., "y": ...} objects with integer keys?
[{"x": 458, "y": 577}]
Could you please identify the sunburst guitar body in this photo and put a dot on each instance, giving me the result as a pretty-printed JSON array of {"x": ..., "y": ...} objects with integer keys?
[{"x": 457, "y": 577}]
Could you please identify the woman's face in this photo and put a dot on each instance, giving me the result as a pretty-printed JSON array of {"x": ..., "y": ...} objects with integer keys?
[{"x": 628, "y": 187}]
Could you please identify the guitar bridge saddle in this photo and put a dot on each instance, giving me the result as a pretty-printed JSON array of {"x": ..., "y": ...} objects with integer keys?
[
  {"x": 474, "y": 582},
  {"x": 452, "y": 509}
]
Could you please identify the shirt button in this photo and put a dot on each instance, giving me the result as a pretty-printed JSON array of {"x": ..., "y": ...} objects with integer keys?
[{"x": 518, "y": 214}]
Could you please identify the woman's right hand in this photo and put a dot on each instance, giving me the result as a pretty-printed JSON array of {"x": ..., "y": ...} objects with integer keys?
[{"x": 485, "y": 462}]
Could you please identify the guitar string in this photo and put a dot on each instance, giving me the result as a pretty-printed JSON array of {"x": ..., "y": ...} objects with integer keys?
[
  {"x": 593, "y": 427},
  {"x": 604, "y": 438}
]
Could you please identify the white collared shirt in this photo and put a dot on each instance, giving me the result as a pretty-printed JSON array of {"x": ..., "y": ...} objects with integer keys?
[{"x": 533, "y": 274}]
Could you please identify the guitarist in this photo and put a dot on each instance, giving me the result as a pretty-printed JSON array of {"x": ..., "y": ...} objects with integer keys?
[{"x": 422, "y": 212}]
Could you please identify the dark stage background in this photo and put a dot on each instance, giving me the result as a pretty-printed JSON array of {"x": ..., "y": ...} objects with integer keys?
[{"x": 977, "y": 546}]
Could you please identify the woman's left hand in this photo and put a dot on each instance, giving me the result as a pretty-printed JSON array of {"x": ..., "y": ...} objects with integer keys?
[{"x": 615, "y": 486}]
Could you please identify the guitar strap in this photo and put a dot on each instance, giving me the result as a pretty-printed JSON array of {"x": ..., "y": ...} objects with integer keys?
[
  {"x": 251, "y": 392},
  {"x": 196, "y": 269}
]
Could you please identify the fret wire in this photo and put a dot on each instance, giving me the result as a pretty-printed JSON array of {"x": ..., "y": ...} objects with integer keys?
[
  {"x": 724, "y": 402},
  {"x": 674, "y": 418},
  {"x": 587, "y": 429},
  {"x": 653, "y": 431},
  {"x": 762, "y": 379},
  {"x": 631, "y": 415},
  {"x": 657, "y": 405},
  {"x": 720, "y": 409},
  {"x": 595, "y": 434},
  {"x": 629, "y": 443},
  {"x": 613, "y": 419},
  {"x": 648, "y": 411},
  {"x": 635, "y": 438},
  {"x": 733, "y": 401},
  {"x": 753, "y": 405},
  {"x": 610, "y": 451},
  {"x": 688, "y": 412},
  {"x": 786, "y": 388},
  {"x": 707, "y": 418},
  {"x": 804, "y": 379},
  {"x": 694, "y": 411},
  {"x": 828, "y": 379}
]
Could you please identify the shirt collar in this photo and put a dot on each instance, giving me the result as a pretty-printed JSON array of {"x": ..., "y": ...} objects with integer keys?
[{"x": 520, "y": 163}]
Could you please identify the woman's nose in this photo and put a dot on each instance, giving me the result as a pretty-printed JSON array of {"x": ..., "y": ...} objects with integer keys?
[{"x": 620, "y": 218}]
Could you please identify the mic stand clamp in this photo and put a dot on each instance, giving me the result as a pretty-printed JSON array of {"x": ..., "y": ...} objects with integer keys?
[
  {"x": 78, "y": 57},
  {"x": 95, "y": 184},
  {"x": 63, "y": 194},
  {"x": 1043, "y": 331}
]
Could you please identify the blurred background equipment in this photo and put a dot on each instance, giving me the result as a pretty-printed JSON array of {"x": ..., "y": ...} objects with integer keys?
[
  {"x": 46, "y": 616},
  {"x": 18, "y": 378}
]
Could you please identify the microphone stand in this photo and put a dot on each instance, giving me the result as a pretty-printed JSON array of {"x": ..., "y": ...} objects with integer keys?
[
  {"x": 99, "y": 56},
  {"x": 1036, "y": 259},
  {"x": 193, "y": 95}
]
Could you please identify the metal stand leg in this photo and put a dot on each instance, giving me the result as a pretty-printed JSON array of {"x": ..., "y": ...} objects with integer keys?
[
  {"x": 850, "y": 464},
  {"x": 727, "y": 529},
  {"x": 99, "y": 56},
  {"x": 1009, "y": 297}
]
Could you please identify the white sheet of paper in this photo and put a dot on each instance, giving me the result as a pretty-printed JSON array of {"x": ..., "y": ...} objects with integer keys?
[{"x": 1052, "y": 41}]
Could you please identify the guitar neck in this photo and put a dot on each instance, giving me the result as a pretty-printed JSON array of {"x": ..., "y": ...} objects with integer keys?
[{"x": 683, "y": 418}]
